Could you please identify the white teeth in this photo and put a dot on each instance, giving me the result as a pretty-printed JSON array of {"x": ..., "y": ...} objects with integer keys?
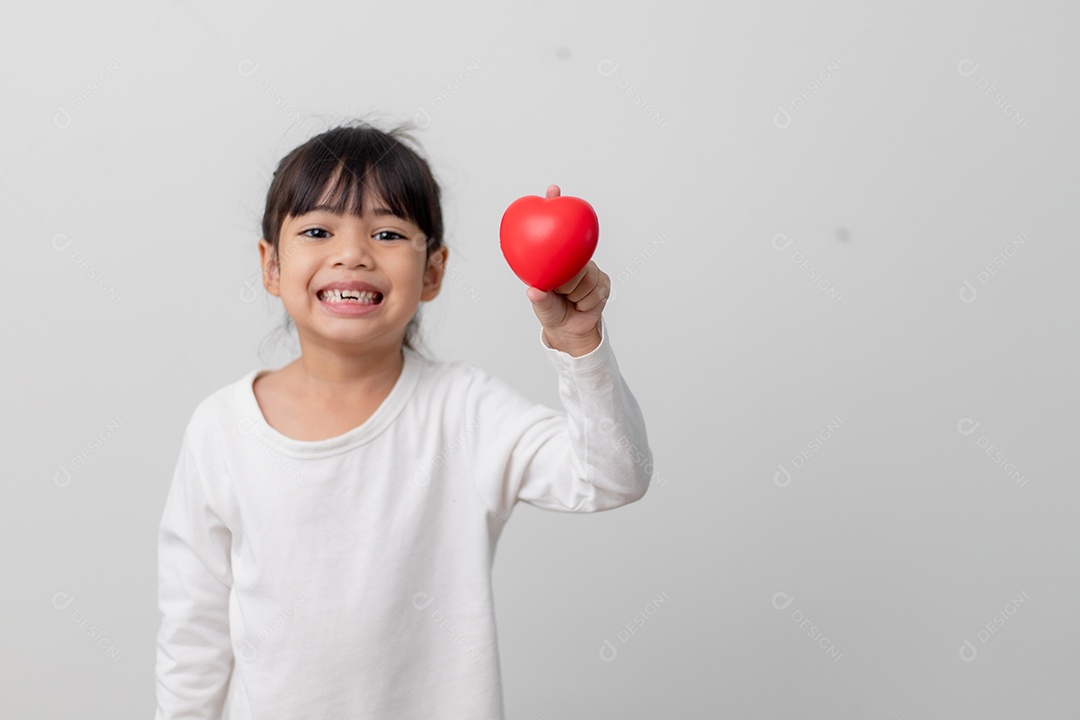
[{"x": 362, "y": 296}]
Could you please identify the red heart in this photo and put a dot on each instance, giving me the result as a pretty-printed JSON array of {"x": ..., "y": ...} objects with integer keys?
[{"x": 547, "y": 241}]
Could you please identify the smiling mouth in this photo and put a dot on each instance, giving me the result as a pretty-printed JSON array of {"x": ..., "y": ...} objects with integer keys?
[{"x": 354, "y": 297}]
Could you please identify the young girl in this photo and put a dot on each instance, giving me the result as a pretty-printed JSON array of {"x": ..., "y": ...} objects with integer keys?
[{"x": 326, "y": 545}]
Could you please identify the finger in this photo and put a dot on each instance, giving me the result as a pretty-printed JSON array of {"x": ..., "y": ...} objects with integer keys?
[
  {"x": 548, "y": 307},
  {"x": 587, "y": 284},
  {"x": 585, "y": 287},
  {"x": 598, "y": 296},
  {"x": 591, "y": 302},
  {"x": 568, "y": 286},
  {"x": 553, "y": 191}
]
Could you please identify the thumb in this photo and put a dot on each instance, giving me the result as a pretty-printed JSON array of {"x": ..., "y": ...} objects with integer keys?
[{"x": 546, "y": 305}]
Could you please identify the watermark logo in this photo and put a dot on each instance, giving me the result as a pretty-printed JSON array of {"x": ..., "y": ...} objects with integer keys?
[
  {"x": 608, "y": 650},
  {"x": 422, "y": 116},
  {"x": 641, "y": 457},
  {"x": 968, "y": 652},
  {"x": 967, "y": 68},
  {"x": 607, "y": 67},
  {"x": 61, "y": 242},
  {"x": 782, "y": 476},
  {"x": 422, "y": 601},
  {"x": 249, "y": 650},
  {"x": 968, "y": 292},
  {"x": 648, "y": 252},
  {"x": 422, "y": 476},
  {"x": 247, "y": 68},
  {"x": 781, "y": 242},
  {"x": 64, "y": 114},
  {"x": 62, "y": 476},
  {"x": 61, "y": 601},
  {"x": 966, "y": 427},
  {"x": 782, "y": 600},
  {"x": 783, "y": 117}
]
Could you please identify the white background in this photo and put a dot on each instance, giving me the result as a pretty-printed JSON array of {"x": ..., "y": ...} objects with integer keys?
[{"x": 917, "y": 165}]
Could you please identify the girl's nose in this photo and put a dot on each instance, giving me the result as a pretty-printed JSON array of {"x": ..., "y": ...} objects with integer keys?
[{"x": 353, "y": 249}]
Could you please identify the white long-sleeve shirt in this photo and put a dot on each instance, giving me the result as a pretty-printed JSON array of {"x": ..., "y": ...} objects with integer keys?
[{"x": 351, "y": 577}]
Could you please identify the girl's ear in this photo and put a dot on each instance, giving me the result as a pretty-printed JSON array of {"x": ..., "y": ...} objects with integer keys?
[
  {"x": 436, "y": 269},
  {"x": 269, "y": 267}
]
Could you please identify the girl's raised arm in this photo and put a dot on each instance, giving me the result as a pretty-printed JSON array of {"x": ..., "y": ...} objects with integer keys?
[{"x": 592, "y": 456}]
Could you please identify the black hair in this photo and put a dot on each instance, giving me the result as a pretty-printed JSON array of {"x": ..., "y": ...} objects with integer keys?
[{"x": 349, "y": 160}]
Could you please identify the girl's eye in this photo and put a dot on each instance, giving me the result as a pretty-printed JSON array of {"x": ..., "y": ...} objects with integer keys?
[{"x": 396, "y": 236}]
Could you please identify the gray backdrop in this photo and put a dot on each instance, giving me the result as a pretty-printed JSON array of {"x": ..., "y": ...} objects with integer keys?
[{"x": 840, "y": 236}]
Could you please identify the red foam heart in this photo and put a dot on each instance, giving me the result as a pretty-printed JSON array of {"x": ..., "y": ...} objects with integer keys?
[{"x": 547, "y": 241}]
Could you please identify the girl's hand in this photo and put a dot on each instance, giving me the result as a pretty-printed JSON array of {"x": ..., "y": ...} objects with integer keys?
[{"x": 570, "y": 314}]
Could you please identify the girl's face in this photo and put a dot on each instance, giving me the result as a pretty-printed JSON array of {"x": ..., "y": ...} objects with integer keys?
[{"x": 322, "y": 247}]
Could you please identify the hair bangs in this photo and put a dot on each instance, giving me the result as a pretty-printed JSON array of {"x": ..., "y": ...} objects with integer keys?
[
  {"x": 344, "y": 169},
  {"x": 339, "y": 176}
]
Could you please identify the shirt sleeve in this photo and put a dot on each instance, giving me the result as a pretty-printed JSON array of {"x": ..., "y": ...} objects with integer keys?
[
  {"x": 194, "y": 652},
  {"x": 593, "y": 455}
]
